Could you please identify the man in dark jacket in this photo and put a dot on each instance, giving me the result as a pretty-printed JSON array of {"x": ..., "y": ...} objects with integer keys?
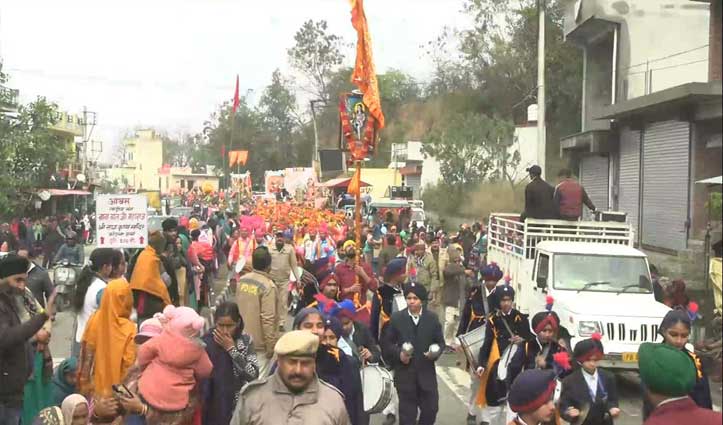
[
  {"x": 39, "y": 281},
  {"x": 538, "y": 197},
  {"x": 569, "y": 196},
  {"x": 408, "y": 345},
  {"x": 14, "y": 335}
]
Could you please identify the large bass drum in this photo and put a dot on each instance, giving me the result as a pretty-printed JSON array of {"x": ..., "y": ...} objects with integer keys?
[
  {"x": 378, "y": 387},
  {"x": 505, "y": 359},
  {"x": 471, "y": 343}
]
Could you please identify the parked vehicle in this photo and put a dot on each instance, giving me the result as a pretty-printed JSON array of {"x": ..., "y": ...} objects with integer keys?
[
  {"x": 419, "y": 217},
  {"x": 64, "y": 277},
  {"x": 598, "y": 280}
]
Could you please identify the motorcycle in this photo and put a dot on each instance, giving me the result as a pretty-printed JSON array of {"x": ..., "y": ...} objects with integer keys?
[{"x": 64, "y": 276}]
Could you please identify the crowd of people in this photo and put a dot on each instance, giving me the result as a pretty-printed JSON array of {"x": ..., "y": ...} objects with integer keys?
[{"x": 398, "y": 300}]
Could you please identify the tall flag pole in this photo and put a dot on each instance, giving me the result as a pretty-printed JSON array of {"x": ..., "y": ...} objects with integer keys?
[
  {"x": 364, "y": 77},
  {"x": 234, "y": 108}
]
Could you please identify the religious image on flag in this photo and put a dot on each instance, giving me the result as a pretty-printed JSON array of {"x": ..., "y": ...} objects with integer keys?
[{"x": 365, "y": 75}]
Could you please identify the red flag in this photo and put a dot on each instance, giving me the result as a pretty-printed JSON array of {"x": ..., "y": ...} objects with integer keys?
[{"x": 235, "y": 98}]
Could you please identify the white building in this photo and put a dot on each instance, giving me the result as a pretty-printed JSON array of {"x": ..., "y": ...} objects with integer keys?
[{"x": 417, "y": 169}]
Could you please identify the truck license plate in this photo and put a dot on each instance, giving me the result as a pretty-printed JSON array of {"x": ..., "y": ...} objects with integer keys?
[{"x": 630, "y": 357}]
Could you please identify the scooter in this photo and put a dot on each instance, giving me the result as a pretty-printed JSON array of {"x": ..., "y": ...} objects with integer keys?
[{"x": 64, "y": 276}]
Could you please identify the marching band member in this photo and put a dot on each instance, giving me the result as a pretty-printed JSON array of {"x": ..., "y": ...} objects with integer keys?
[
  {"x": 539, "y": 352},
  {"x": 473, "y": 316},
  {"x": 531, "y": 397},
  {"x": 589, "y": 394},
  {"x": 408, "y": 344},
  {"x": 383, "y": 306},
  {"x": 505, "y": 328}
]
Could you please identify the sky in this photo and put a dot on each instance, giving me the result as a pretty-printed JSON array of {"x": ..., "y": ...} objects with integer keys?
[{"x": 169, "y": 64}]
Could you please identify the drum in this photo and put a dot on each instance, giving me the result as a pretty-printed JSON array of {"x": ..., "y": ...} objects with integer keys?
[
  {"x": 378, "y": 387},
  {"x": 471, "y": 343},
  {"x": 505, "y": 359}
]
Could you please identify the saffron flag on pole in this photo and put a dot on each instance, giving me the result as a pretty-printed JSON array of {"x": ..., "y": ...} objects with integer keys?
[
  {"x": 365, "y": 75},
  {"x": 355, "y": 183},
  {"x": 236, "y": 99}
]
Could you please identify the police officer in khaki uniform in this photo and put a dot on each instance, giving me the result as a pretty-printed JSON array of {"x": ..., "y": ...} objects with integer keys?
[
  {"x": 256, "y": 299},
  {"x": 293, "y": 395}
]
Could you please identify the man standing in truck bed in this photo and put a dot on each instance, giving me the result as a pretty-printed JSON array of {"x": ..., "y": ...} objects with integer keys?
[
  {"x": 569, "y": 197},
  {"x": 538, "y": 197}
]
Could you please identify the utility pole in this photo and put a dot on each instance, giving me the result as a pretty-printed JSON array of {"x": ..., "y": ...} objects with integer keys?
[
  {"x": 88, "y": 126},
  {"x": 541, "y": 119},
  {"x": 315, "y": 155}
]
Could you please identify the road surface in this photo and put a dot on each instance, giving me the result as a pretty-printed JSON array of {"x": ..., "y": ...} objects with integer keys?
[{"x": 453, "y": 382}]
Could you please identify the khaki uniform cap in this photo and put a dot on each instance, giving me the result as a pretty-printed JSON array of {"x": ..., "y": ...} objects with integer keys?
[{"x": 297, "y": 343}]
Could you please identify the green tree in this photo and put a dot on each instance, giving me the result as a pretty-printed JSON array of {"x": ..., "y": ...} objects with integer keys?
[
  {"x": 279, "y": 116},
  {"x": 316, "y": 54},
  {"x": 29, "y": 153},
  {"x": 469, "y": 147},
  {"x": 495, "y": 69}
]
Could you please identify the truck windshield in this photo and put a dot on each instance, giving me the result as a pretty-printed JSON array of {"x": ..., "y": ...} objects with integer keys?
[
  {"x": 417, "y": 215},
  {"x": 601, "y": 273}
]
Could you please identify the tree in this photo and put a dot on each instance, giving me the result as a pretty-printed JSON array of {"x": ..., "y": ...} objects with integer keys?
[
  {"x": 500, "y": 53},
  {"x": 278, "y": 114},
  {"x": 469, "y": 147},
  {"x": 316, "y": 55},
  {"x": 30, "y": 153}
]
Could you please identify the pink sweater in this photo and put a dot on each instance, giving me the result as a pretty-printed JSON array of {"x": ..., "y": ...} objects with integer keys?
[{"x": 172, "y": 364}]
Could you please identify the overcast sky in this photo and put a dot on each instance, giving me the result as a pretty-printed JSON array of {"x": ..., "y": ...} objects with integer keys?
[{"x": 169, "y": 63}]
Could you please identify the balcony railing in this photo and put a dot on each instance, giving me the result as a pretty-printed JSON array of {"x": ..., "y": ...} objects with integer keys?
[{"x": 8, "y": 98}]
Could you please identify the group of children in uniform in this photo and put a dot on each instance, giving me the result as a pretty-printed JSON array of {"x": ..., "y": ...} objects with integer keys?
[{"x": 520, "y": 367}]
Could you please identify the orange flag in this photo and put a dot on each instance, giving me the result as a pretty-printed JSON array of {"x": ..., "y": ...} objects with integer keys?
[
  {"x": 365, "y": 75},
  {"x": 232, "y": 158},
  {"x": 242, "y": 157},
  {"x": 354, "y": 183}
]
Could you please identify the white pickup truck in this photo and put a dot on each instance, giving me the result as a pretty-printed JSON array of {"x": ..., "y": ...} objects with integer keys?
[{"x": 599, "y": 281}]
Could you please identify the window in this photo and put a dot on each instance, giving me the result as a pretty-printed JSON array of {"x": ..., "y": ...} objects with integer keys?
[
  {"x": 543, "y": 268},
  {"x": 602, "y": 273}
]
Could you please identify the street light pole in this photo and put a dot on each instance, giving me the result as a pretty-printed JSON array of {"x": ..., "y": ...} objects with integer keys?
[{"x": 541, "y": 120}]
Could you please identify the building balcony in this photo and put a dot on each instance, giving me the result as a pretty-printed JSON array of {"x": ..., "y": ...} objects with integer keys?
[{"x": 8, "y": 99}]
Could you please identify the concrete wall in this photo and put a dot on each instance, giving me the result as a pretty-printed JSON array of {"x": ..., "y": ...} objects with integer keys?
[
  {"x": 662, "y": 41},
  {"x": 380, "y": 179},
  {"x": 526, "y": 144},
  {"x": 431, "y": 173}
]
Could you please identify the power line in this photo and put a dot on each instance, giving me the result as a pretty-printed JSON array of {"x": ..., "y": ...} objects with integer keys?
[
  {"x": 665, "y": 57},
  {"x": 667, "y": 67}
]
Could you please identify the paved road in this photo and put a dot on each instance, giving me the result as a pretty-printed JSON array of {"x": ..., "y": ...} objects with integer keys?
[{"x": 453, "y": 381}]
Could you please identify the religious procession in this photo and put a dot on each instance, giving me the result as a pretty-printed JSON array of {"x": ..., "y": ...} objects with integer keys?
[{"x": 442, "y": 260}]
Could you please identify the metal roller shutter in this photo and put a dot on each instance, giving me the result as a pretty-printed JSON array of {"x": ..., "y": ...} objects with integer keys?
[
  {"x": 415, "y": 182},
  {"x": 666, "y": 163},
  {"x": 629, "y": 186},
  {"x": 594, "y": 177}
]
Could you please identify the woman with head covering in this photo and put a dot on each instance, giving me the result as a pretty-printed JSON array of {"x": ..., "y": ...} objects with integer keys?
[
  {"x": 234, "y": 362},
  {"x": 64, "y": 380},
  {"x": 75, "y": 410},
  {"x": 92, "y": 279},
  {"x": 675, "y": 330},
  {"x": 150, "y": 291},
  {"x": 107, "y": 349}
]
